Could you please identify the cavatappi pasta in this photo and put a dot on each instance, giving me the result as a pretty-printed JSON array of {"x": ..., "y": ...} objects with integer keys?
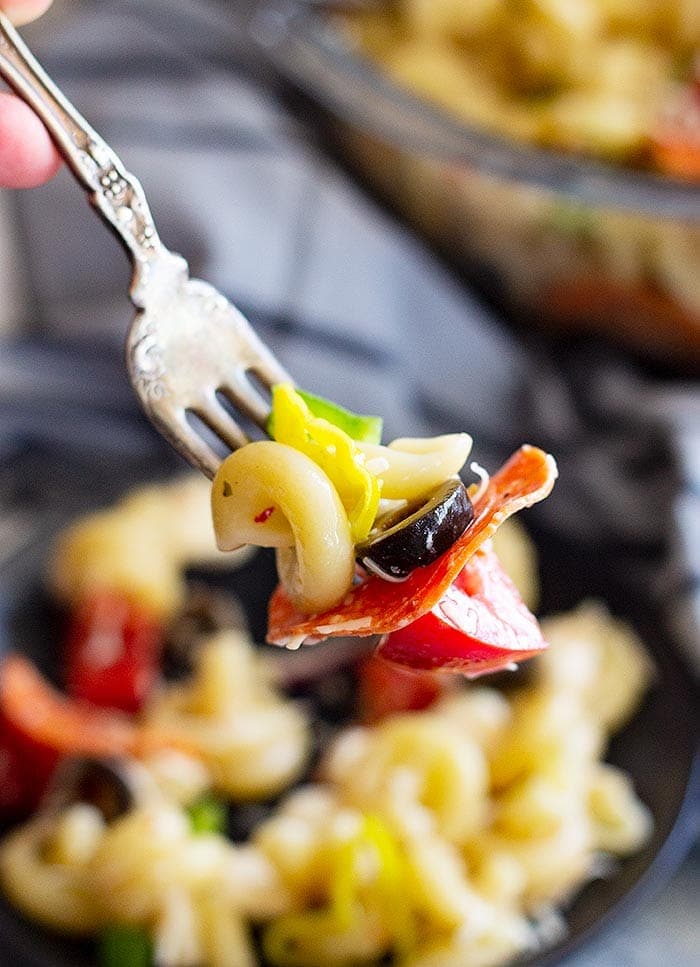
[
  {"x": 306, "y": 520},
  {"x": 442, "y": 838},
  {"x": 252, "y": 742},
  {"x": 313, "y": 492},
  {"x": 445, "y": 837},
  {"x": 139, "y": 547},
  {"x": 584, "y": 75}
]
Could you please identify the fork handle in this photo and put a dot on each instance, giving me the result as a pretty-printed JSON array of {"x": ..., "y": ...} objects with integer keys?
[{"x": 115, "y": 193}]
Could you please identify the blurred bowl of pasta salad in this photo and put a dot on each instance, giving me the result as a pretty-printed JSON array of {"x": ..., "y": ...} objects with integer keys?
[
  {"x": 550, "y": 150},
  {"x": 175, "y": 793}
]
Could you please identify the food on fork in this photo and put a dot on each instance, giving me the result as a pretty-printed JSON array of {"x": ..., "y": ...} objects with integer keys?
[{"x": 381, "y": 540}]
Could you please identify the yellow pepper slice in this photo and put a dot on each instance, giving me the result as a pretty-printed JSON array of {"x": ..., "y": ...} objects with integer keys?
[
  {"x": 335, "y": 453},
  {"x": 303, "y": 939},
  {"x": 391, "y": 885}
]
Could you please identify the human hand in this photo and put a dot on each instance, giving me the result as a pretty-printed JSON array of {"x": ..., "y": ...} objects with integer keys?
[{"x": 28, "y": 157}]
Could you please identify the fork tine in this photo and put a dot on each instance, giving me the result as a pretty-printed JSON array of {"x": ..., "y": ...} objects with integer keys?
[
  {"x": 268, "y": 370},
  {"x": 188, "y": 442},
  {"x": 257, "y": 357},
  {"x": 240, "y": 391},
  {"x": 199, "y": 453},
  {"x": 211, "y": 412}
]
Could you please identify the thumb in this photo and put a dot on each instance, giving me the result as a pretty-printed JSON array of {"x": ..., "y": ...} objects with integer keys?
[{"x": 22, "y": 11}]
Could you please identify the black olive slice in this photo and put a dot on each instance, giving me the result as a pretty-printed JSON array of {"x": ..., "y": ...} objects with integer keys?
[
  {"x": 417, "y": 540},
  {"x": 108, "y": 784},
  {"x": 206, "y": 611}
]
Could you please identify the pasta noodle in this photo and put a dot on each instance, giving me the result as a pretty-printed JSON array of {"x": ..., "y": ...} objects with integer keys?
[
  {"x": 449, "y": 774},
  {"x": 252, "y": 742},
  {"x": 409, "y": 468},
  {"x": 434, "y": 838},
  {"x": 621, "y": 823},
  {"x": 272, "y": 495},
  {"x": 58, "y": 893},
  {"x": 225, "y": 937},
  {"x": 135, "y": 548},
  {"x": 598, "y": 657},
  {"x": 429, "y": 839}
]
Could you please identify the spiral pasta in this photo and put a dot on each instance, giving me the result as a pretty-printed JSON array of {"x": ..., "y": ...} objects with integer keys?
[
  {"x": 408, "y": 468},
  {"x": 272, "y": 495},
  {"x": 448, "y": 775},
  {"x": 136, "y": 548},
  {"x": 598, "y": 657},
  {"x": 252, "y": 742},
  {"x": 55, "y": 890},
  {"x": 432, "y": 838},
  {"x": 316, "y": 493}
]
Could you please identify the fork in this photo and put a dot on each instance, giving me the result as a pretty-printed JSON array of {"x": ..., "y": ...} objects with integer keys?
[{"x": 188, "y": 348}]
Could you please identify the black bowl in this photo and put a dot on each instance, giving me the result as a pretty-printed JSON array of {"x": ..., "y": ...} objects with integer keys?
[{"x": 658, "y": 748}]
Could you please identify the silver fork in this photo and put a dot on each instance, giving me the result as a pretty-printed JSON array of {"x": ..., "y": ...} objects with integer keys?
[{"x": 188, "y": 346}]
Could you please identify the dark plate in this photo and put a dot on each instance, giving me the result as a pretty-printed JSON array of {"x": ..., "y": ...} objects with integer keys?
[{"x": 658, "y": 748}]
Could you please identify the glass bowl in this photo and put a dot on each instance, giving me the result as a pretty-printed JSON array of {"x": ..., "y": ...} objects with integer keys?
[{"x": 562, "y": 242}]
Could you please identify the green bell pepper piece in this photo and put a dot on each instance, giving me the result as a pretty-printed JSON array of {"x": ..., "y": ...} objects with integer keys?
[
  {"x": 122, "y": 946},
  {"x": 363, "y": 429}
]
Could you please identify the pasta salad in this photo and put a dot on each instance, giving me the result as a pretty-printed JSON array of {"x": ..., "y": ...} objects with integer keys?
[
  {"x": 612, "y": 80},
  {"x": 381, "y": 540},
  {"x": 448, "y": 822},
  {"x": 591, "y": 249},
  {"x": 174, "y": 805}
]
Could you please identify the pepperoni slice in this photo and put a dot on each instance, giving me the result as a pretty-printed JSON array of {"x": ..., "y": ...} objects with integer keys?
[
  {"x": 675, "y": 142},
  {"x": 378, "y": 607},
  {"x": 68, "y": 726}
]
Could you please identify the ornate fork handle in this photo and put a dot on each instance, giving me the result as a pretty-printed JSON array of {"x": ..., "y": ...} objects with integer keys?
[
  {"x": 116, "y": 193},
  {"x": 188, "y": 348}
]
